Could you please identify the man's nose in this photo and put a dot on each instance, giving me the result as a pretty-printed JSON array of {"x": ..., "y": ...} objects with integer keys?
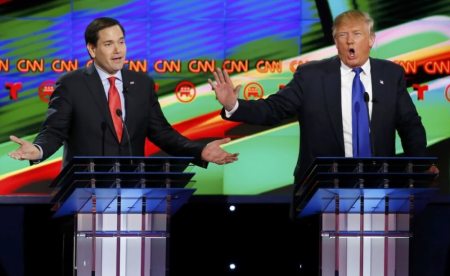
[
  {"x": 350, "y": 39},
  {"x": 116, "y": 48}
]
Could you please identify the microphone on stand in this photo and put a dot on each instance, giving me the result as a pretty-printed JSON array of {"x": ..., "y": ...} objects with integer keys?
[
  {"x": 119, "y": 113},
  {"x": 372, "y": 145},
  {"x": 125, "y": 90}
]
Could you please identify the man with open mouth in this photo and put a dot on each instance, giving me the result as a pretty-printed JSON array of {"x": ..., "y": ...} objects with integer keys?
[{"x": 350, "y": 105}]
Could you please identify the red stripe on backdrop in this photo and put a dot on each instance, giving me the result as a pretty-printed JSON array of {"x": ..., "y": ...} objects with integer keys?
[
  {"x": 210, "y": 125},
  {"x": 38, "y": 173}
]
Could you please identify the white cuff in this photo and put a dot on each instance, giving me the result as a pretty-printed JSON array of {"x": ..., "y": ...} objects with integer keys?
[
  {"x": 228, "y": 114},
  {"x": 41, "y": 152}
]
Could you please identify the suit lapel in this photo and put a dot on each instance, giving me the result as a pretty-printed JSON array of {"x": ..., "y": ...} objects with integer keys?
[
  {"x": 332, "y": 96},
  {"x": 128, "y": 93},
  {"x": 97, "y": 91},
  {"x": 378, "y": 90}
]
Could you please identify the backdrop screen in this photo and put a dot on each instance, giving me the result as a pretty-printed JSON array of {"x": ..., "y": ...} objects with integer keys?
[{"x": 179, "y": 43}]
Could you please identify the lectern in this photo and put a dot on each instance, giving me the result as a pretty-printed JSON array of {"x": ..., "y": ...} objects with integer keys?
[
  {"x": 367, "y": 208},
  {"x": 122, "y": 208}
]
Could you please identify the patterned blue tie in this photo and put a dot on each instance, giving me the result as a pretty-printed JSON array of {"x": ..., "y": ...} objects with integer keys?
[{"x": 360, "y": 119}]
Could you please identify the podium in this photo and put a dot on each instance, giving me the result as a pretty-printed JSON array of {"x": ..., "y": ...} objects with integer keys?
[
  {"x": 122, "y": 208},
  {"x": 367, "y": 208}
]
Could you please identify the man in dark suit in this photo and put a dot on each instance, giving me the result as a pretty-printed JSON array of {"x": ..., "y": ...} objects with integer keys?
[
  {"x": 320, "y": 95},
  {"x": 93, "y": 108}
]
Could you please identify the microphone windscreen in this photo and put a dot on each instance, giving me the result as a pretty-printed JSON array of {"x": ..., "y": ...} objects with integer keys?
[{"x": 366, "y": 97}]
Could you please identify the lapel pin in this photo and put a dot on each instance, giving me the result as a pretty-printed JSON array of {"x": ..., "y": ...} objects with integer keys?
[
  {"x": 381, "y": 81},
  {"x": 131, "y": 82}
]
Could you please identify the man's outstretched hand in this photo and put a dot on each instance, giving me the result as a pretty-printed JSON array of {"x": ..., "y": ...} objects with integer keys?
[
  {"x": 26, "y": 151},
  {"x": 224, "y": 88},
  {"x": 214, "y": 153}
]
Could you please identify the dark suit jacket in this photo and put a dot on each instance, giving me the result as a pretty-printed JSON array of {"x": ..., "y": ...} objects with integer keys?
[
  {"x": 314, "y": 96},
  {"x": 78, "y": 117}
]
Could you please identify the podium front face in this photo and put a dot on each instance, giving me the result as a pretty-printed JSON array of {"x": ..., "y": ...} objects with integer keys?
[
  {"x": 365, "y": 243},
  {"x": 129, "y": 250},
  {"x": 367, "y": 207},
  {"x": 122, "y": 208}
]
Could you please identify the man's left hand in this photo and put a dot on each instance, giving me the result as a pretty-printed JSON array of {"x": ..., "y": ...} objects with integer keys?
[{"x": 214, "y": 153}]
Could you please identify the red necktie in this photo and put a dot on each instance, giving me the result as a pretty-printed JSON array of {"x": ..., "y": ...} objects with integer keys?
[{"x": 114, "y": 105}]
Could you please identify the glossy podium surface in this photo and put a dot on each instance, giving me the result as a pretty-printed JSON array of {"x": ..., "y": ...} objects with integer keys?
[
  {"x": 122, "y": 207},
  {"x": 367, "y": 208},
  {"x": 373, "y": 178}
]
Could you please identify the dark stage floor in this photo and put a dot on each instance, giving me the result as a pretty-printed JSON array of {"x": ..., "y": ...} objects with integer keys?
[{"x": 206, "y": 238}]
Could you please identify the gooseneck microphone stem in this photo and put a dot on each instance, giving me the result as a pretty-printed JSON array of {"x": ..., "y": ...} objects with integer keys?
[
  {"x": 372, "y": 145},
  {"x": 119, "y": 113}
]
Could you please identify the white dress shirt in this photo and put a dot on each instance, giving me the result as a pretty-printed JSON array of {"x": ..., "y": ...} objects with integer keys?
[
  {"x": 119, "y": 85},
  {"x": 347, "y": 76}
]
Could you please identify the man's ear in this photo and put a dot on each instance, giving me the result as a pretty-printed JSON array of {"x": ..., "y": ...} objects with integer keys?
[
  {"x": 91, "y": 49},
  {"x": 372, "y": 40}
]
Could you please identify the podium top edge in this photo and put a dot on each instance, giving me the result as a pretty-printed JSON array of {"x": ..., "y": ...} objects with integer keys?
[
  {"x": 83, "y": 160},
  {"x": 184, "y": 158},
  {"x": 370, "y": 159},
  {"x": 174, "y": 162}
]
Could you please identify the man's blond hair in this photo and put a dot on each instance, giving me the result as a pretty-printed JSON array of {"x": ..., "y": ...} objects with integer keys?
[{"x": 353, "y": 15}]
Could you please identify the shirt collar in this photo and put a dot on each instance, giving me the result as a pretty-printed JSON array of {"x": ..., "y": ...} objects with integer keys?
[
  {"x": 347, "y": 70},
  {"x": 104, "y": 76}
]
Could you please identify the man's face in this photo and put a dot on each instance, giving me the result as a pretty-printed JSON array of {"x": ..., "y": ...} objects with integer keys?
[
  {"x": 353, "y": 42},
  {"x": 110, "y": 51}
]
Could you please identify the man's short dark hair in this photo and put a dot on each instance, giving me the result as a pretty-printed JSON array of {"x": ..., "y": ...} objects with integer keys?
[{"x": 98, "y": 24}]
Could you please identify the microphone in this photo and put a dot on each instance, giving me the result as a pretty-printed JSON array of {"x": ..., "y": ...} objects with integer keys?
[
  {"x": 372, "y": 145},
  {"x": 119, "y": 113},
  {"x": 366, "y": 98}
]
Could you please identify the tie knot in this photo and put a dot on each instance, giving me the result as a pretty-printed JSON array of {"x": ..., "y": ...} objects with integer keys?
[
  {"x": 112, "y": 80},
  {"x": 357, "y": 70}
]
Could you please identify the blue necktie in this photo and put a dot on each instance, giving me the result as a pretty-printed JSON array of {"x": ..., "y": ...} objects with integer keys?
[{"x": 360, "y": 119}]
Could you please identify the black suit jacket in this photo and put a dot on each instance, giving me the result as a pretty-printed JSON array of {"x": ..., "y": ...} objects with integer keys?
[
  {"x": 314, "y": 96},
  {"x": 78, "y": 117}
]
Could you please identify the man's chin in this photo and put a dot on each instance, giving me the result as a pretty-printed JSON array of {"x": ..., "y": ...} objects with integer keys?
[
  {"x": 117, "y": 68},
  {"x": 352, "y": 63}
]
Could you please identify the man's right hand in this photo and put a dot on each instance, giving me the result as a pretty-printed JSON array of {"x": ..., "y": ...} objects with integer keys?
[
  {"x": 224, "y": 88},
  {"x": 26, "y": 151}
]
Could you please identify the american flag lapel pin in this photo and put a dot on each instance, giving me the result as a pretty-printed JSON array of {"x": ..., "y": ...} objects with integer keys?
[
  {"x": 381, "y": 81},
  {"x": 131, "y": 82}
]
